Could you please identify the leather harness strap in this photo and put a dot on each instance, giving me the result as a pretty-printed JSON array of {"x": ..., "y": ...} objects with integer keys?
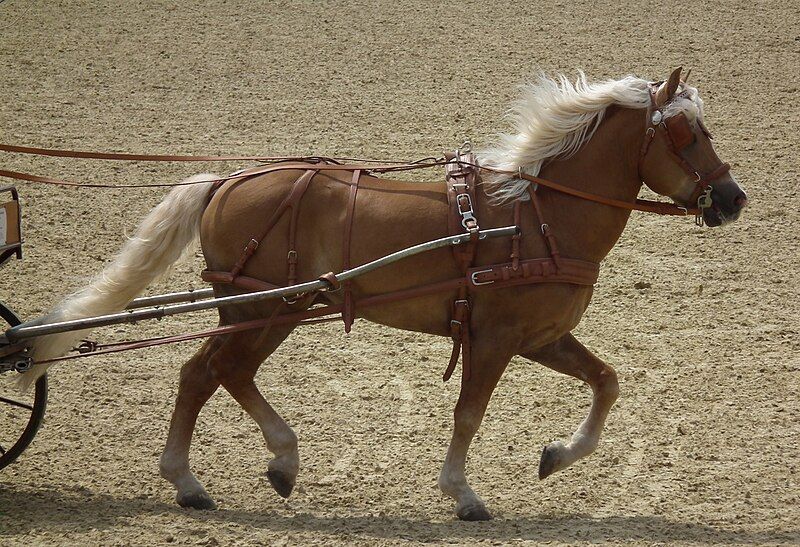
[
  {"x": 648, "y": 206},
  {"x": 461, "y": 177},
  {"x": 535, "y": 270},
  {"x": 291, "y": 201},
  {"x": 348, "y": 315},
  {"x": 515, "y": 239},
  {"x": 120, "y": 156},
  {"x": 544, "y": 227}
]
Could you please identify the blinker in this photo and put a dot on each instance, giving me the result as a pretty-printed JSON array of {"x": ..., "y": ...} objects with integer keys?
[{"x": 680, "y": 131}]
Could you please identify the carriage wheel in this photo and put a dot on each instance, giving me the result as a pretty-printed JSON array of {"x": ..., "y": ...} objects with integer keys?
[{"x": 20, "y": 414}]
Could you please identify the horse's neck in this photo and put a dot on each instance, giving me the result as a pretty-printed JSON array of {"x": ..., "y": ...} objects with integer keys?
[{"x": 606, "y": 166}]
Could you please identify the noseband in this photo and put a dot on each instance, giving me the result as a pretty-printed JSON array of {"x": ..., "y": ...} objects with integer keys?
[{"x": 678, "y": 135}]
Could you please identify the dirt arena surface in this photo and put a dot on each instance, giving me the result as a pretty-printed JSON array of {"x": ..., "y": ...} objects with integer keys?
[{"x": 702, "y": 447}]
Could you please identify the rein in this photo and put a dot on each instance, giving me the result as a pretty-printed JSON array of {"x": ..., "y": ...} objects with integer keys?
[
  {"x": 462, "y": 175},
  {"x": 330, "y": 164}
]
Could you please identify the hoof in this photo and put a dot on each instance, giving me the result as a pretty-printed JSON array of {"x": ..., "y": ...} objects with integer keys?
[
  {"x": 198, "y": 500},
  {"x": 474, "y": 512},
  {"x": 283, "y": 483},
  {"x": 547, "y": 463}
]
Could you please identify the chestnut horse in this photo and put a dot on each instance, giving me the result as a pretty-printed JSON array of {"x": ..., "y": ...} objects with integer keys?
[{"x": 602, "y": 138}]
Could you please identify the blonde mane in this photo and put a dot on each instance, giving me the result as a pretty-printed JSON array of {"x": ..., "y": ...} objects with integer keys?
[{"x": 554, "y": 117}]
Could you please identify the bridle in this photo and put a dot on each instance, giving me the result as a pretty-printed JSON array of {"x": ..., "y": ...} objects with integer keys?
[{"x": 678, "y": 134}]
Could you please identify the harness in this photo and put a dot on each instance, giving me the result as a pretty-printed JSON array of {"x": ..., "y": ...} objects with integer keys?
[{"x": 462, "y": 174}]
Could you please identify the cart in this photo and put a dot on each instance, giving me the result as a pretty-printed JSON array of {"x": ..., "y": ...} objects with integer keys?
[{"x": 20, "y": 414}]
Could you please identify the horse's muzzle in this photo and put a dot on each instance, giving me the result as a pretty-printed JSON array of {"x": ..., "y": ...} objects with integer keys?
[{"x": 727, "y": 205}]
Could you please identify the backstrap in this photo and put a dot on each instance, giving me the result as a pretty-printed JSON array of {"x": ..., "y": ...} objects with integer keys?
[{"x": 292, "y": 202}]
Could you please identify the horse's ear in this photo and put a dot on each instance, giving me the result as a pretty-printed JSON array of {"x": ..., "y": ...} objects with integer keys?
[{"x": 667, "y": 90}]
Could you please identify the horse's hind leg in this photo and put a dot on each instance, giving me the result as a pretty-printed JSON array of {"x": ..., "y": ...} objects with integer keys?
[
  {"x": 235, "y": 365},
  {"x": 569, "y": 356},
  {"x": 231, "y": 360},
  {"x": 196, "y": 385}
]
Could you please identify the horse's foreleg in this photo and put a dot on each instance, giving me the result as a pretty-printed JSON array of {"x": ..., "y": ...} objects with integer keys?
[
  {"x": 235, "y": 370},
  {"x": 569, "y": 356},
  {"x": 195, "y": 387},
  {"x": 487, "y": 367}
]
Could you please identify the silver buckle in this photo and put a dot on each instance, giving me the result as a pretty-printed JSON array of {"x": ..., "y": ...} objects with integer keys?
[
  {"x": 475, "y": 281},
  {"x": 468, "y": 214}
]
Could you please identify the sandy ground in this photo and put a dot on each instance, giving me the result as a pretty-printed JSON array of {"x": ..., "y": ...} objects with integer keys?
[{"x": 702, "y": 447}]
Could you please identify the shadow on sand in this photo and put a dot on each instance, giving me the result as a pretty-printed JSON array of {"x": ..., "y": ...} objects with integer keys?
[{"x": 25, "y": 510}]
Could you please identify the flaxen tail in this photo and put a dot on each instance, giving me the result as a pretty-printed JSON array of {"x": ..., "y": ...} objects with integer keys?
[{"x": 159, "y": 241}]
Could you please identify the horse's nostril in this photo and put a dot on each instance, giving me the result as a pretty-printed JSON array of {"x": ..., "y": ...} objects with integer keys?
[{"x": 741, "y": 201}]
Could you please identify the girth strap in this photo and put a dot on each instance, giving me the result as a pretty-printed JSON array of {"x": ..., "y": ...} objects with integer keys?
[
  {"x": 461, "y": 176},
  {"x": 348, "y": 313}
]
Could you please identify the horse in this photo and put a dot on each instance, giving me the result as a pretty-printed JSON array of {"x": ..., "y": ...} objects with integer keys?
[{"x": 604, "y": 138}]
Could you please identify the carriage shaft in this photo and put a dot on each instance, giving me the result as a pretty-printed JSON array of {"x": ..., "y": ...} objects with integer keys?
[
  {"x": 32, "y": 329},
  {"x": 192, "y": 295}
]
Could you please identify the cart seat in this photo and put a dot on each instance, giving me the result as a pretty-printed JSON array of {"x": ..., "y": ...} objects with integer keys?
[{"x": 10, "y": 225}]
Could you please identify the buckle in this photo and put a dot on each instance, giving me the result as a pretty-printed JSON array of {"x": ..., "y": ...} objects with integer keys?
[
  {"x": 474, "y": 278},
  {"x": 467, "y": 214}
]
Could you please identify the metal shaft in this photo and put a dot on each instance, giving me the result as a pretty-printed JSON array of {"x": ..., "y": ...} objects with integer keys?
[
  {"x": 192, "y": 295},
  {"x": 30, "y": 329}
]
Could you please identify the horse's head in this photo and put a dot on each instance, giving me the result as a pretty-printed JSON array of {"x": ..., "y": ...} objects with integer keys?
[{"x": 678, "y": 159}]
